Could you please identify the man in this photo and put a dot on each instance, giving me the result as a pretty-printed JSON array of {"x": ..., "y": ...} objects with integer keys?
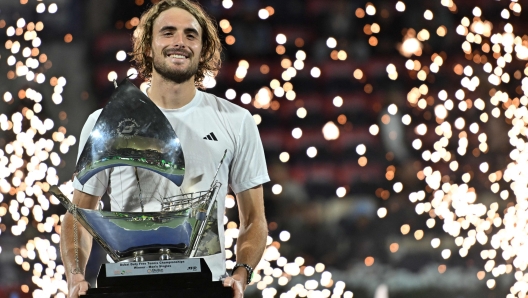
[{"x": 175, "y": 46}]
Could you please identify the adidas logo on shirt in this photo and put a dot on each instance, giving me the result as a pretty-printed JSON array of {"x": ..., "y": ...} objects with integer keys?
[{"x": 210, "y": 137}]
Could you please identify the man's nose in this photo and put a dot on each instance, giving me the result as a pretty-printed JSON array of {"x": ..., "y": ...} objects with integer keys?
[{"x": 178, "y": 40}]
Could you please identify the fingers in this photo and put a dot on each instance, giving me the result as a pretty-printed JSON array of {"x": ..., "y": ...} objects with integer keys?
[
  {"x": 82, "y": 291},
  {"x": 237, "y": 292},
  {"x": 83, "y": 287},
  {"x": 228, "y": 282},
  {"x": 237, "y": 289},
  {"x": 236, "y": 285},
  {"x": 74, "y": 292},
  {"x": 78, "y": 289}
]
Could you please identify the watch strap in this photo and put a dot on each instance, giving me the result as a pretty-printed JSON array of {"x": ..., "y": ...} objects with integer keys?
[{"x": 248, "y": 269}]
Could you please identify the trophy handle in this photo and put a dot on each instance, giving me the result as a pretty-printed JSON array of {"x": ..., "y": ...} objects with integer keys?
[
  {"x": 212, "y": 201},
  {"x": 54, "y": 190}
]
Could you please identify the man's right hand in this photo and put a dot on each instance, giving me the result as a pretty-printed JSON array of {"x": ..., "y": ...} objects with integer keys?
[{"x": 78, "y": 286}]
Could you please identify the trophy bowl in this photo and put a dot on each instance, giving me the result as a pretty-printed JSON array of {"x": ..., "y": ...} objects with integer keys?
[{"x": 173, "y": 233}]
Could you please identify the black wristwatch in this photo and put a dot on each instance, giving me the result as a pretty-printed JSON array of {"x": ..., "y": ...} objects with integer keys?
[{"x": 248, "y": 269}]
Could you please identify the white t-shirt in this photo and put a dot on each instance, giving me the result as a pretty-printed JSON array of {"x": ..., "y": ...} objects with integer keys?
[{"x": 195, "y": 124}]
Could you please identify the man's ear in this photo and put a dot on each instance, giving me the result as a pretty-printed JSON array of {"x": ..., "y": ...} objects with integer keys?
[{"x": 148, "y": 52}]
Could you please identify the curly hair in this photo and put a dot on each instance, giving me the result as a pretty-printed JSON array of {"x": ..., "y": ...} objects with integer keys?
[{"x": 210, "y": 60}]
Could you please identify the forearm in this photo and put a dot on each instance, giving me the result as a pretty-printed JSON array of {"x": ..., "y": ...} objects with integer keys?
[
  {"x": 68, "y": 246},
  {"x": 250, "y": 247},
  {"x": 251, "y": 242},
  {"x": 252, "y": 234}
]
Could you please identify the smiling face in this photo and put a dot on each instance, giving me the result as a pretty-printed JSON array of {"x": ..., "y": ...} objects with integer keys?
[{"x": 176, "y": 46}]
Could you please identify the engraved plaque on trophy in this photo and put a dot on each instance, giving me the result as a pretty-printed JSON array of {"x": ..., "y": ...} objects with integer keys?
[{"x": 155, "y": 253}]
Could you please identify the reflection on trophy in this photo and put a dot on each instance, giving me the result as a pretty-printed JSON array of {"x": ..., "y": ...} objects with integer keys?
[{"x": 155, "y": 253}]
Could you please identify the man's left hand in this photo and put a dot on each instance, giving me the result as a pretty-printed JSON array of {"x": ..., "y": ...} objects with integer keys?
[{"x": 237, "y": 283}]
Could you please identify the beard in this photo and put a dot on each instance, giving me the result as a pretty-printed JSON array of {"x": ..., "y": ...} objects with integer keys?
[{"x": 175, "y": 75}]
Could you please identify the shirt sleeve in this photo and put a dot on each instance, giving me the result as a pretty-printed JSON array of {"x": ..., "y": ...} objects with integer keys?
[
  {"x": 98, "y": 184},
  {"x": 248, "y": 167}
]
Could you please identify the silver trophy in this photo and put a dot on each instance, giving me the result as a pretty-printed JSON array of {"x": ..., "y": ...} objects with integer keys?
[{"x": 132, "y": 131}]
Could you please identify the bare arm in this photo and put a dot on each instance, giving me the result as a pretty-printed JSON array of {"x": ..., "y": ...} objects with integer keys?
[
  {"x": 76, "y": 283},
  {"x": 252, "y": 233}
]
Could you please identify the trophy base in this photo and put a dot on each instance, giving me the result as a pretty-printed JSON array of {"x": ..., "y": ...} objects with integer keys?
[
  {"x": 215, "y": 290},
  {"x": 196, "y": 284}
]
